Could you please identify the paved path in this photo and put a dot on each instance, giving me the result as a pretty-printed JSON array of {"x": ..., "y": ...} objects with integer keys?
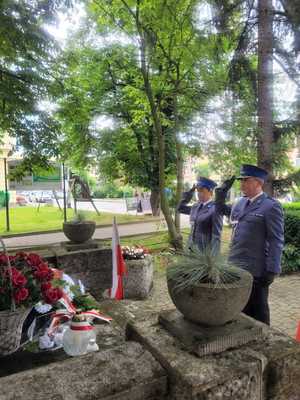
[
  {"x": 100, "y": 233},
  {"x": 285, "y": 303}
]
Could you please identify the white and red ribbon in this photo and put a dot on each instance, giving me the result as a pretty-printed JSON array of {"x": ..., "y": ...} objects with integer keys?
[{"x": 65, "y": 315}]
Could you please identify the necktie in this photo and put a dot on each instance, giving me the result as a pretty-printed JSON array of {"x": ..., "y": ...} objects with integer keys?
[{"x": 248, "y": 202}]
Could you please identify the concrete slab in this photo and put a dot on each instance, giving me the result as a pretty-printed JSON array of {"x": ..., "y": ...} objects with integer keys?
[
  {"x": 125, "y": 372},
  {"x": 202, "y": 340},
  {"x": 261, "y": 370}
]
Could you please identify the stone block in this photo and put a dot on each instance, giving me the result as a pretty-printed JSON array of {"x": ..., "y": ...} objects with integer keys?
[
  {"x": 89, "y": 244},
  {"x": 139, "y": 280},
  {"x": 261, "y": 370},
  {"x": 93, "y": 267},
  {"x": 204, "y": 340},
  {"x": 125, "y": 372}
]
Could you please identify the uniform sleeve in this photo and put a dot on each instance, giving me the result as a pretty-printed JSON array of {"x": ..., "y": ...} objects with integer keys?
[
  {"x": 222, "y": 208},
  {"x": 186, "y": 198},
  {"x": 275, "y": 237},
  {"x": 217, "y": 225}
]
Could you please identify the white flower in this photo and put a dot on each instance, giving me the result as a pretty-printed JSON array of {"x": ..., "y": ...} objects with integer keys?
[{"x": 42, "y": 308}]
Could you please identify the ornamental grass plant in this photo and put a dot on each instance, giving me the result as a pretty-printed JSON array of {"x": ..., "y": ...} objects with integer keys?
[{"x": 192, "y": 267}]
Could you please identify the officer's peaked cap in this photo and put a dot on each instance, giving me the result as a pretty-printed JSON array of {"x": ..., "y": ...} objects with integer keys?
[
  {"x": 248, "y": 171},
  {"x": 206, "y": 183}
]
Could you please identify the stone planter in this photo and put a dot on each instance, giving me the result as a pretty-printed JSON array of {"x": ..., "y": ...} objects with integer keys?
[
  {"x": 79, "y": 232},
  {"x": 139, "y": 280},
  {"x": 212, "y": 306}
]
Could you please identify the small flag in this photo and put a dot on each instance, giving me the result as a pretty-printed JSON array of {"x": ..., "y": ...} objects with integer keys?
[
  {"x": 298, "y": 332},
  {"x": 118, "y": 266}
]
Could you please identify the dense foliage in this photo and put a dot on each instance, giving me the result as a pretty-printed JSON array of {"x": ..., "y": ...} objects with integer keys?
[
  {"x": 292, "y": 206},
  {"x": 27, "y": 53},
  {"x": 239, "y": 138},
  {"x": 291, "y": 252}
]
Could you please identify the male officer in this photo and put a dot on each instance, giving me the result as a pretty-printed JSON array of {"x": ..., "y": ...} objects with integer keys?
[
  {"x": 257, "y": 237},
  {"x": 206, "y": 224}
]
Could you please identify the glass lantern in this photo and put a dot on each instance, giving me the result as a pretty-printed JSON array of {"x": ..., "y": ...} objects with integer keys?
[{"x": 78, "y": 336}]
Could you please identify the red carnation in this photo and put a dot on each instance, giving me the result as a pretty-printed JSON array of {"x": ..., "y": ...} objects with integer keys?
[
  {"x": 45, "y": 286},
  {"x": 43, "y": 272},
  {"x": 12, "y": 259},
  {"x": 21, "y": 295},
  {"x": 34, "y": 259},
  {"x": 11, "y": 271},
  {"x": 3, "y": 259},
  {"x": 19, "y": 280},
  {"x": 52, "y": 295},
  {"x": 146, "y": 251},
  {"x": 21, "y": 254}
]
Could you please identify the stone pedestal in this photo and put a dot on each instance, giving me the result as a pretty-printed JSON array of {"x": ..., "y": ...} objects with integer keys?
[
  {"x": 260, "y": 370},
  {"x": 94, "y": 268},
  {"x": 89, "y": 244},
  {"x": 203, "y": 340},
  {"x": 139, "y": 280}
]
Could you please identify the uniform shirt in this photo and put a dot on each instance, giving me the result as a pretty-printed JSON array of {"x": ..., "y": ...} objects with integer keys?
[
  {"x": 206, "y": 223},
  {"x": 258, "y": 234}
]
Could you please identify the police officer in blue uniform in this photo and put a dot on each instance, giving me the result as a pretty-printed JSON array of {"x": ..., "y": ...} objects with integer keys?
[
  {"x": 257, "y": 237},
  {"x": 206, "y": 224}
]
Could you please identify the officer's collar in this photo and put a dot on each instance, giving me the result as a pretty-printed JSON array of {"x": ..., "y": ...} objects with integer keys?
[
  {"x": 255, "y": 197},
  {"x": 207, "y": 202}
]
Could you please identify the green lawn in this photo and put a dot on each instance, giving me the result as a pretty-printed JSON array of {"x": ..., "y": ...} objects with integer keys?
[
  {"x": 158, "y": 241},
  {"x": 47, "y": 218}
]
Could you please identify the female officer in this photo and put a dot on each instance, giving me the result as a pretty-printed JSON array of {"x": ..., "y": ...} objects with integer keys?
[{"x": 206, "y": 223}]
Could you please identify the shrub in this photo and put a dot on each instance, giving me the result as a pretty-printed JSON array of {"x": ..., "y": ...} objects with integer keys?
[
  {"x": 292, "y": 228},
  {"x": 290, "y": 259},
  {"x": 3, "y": 198},
  {"x": 291, "y": 251},
  {"x": 110, "y": 190},
  {"x": 291, "y": 206}
]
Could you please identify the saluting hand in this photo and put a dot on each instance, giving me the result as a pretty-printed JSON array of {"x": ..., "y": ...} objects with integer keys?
[
  {"x": 221, "y": 191},
  {"x": 226, "y": 185}
]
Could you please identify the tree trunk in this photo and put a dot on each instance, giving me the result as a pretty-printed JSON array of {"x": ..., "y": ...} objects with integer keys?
[
  {"x": 175, "y": 238},
  {"x": 179, "y": 187},
  {"x": 265, "y": 91},
  {"x": 179, "y": 161},
  {"x": 154, "y": 201}
]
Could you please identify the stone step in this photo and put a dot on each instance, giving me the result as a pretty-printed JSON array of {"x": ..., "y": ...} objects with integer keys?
[{"x": 125, "y": 372}]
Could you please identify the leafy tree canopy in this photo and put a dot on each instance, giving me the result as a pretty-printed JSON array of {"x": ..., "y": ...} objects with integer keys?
[{"x": 26, "y": 56}]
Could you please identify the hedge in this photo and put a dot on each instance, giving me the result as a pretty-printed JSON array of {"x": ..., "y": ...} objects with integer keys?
[
  {"x": 291, "y": 251},
  {"x": 292, "y": 228},
  {"x": 3, "y": 197},
  {"x": 291, "y": 206}
]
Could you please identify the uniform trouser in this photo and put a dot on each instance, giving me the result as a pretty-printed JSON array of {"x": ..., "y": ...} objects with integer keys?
[{"x": 257, "y": 306}]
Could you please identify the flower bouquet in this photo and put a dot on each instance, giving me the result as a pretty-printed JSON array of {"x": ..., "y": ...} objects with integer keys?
[
  {"x": 134, "y": 252},
  {"x": 25, "y": 280}
]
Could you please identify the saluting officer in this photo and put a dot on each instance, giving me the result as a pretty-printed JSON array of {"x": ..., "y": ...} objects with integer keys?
[
  {"x": 206, "y": 224},
  {"x": 257, "y": 237}
]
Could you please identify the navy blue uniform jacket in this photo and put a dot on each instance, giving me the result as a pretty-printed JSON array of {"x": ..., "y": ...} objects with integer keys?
[
  {"x": 258, "y": 234},
  {"x": 206, "y": 223}
]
